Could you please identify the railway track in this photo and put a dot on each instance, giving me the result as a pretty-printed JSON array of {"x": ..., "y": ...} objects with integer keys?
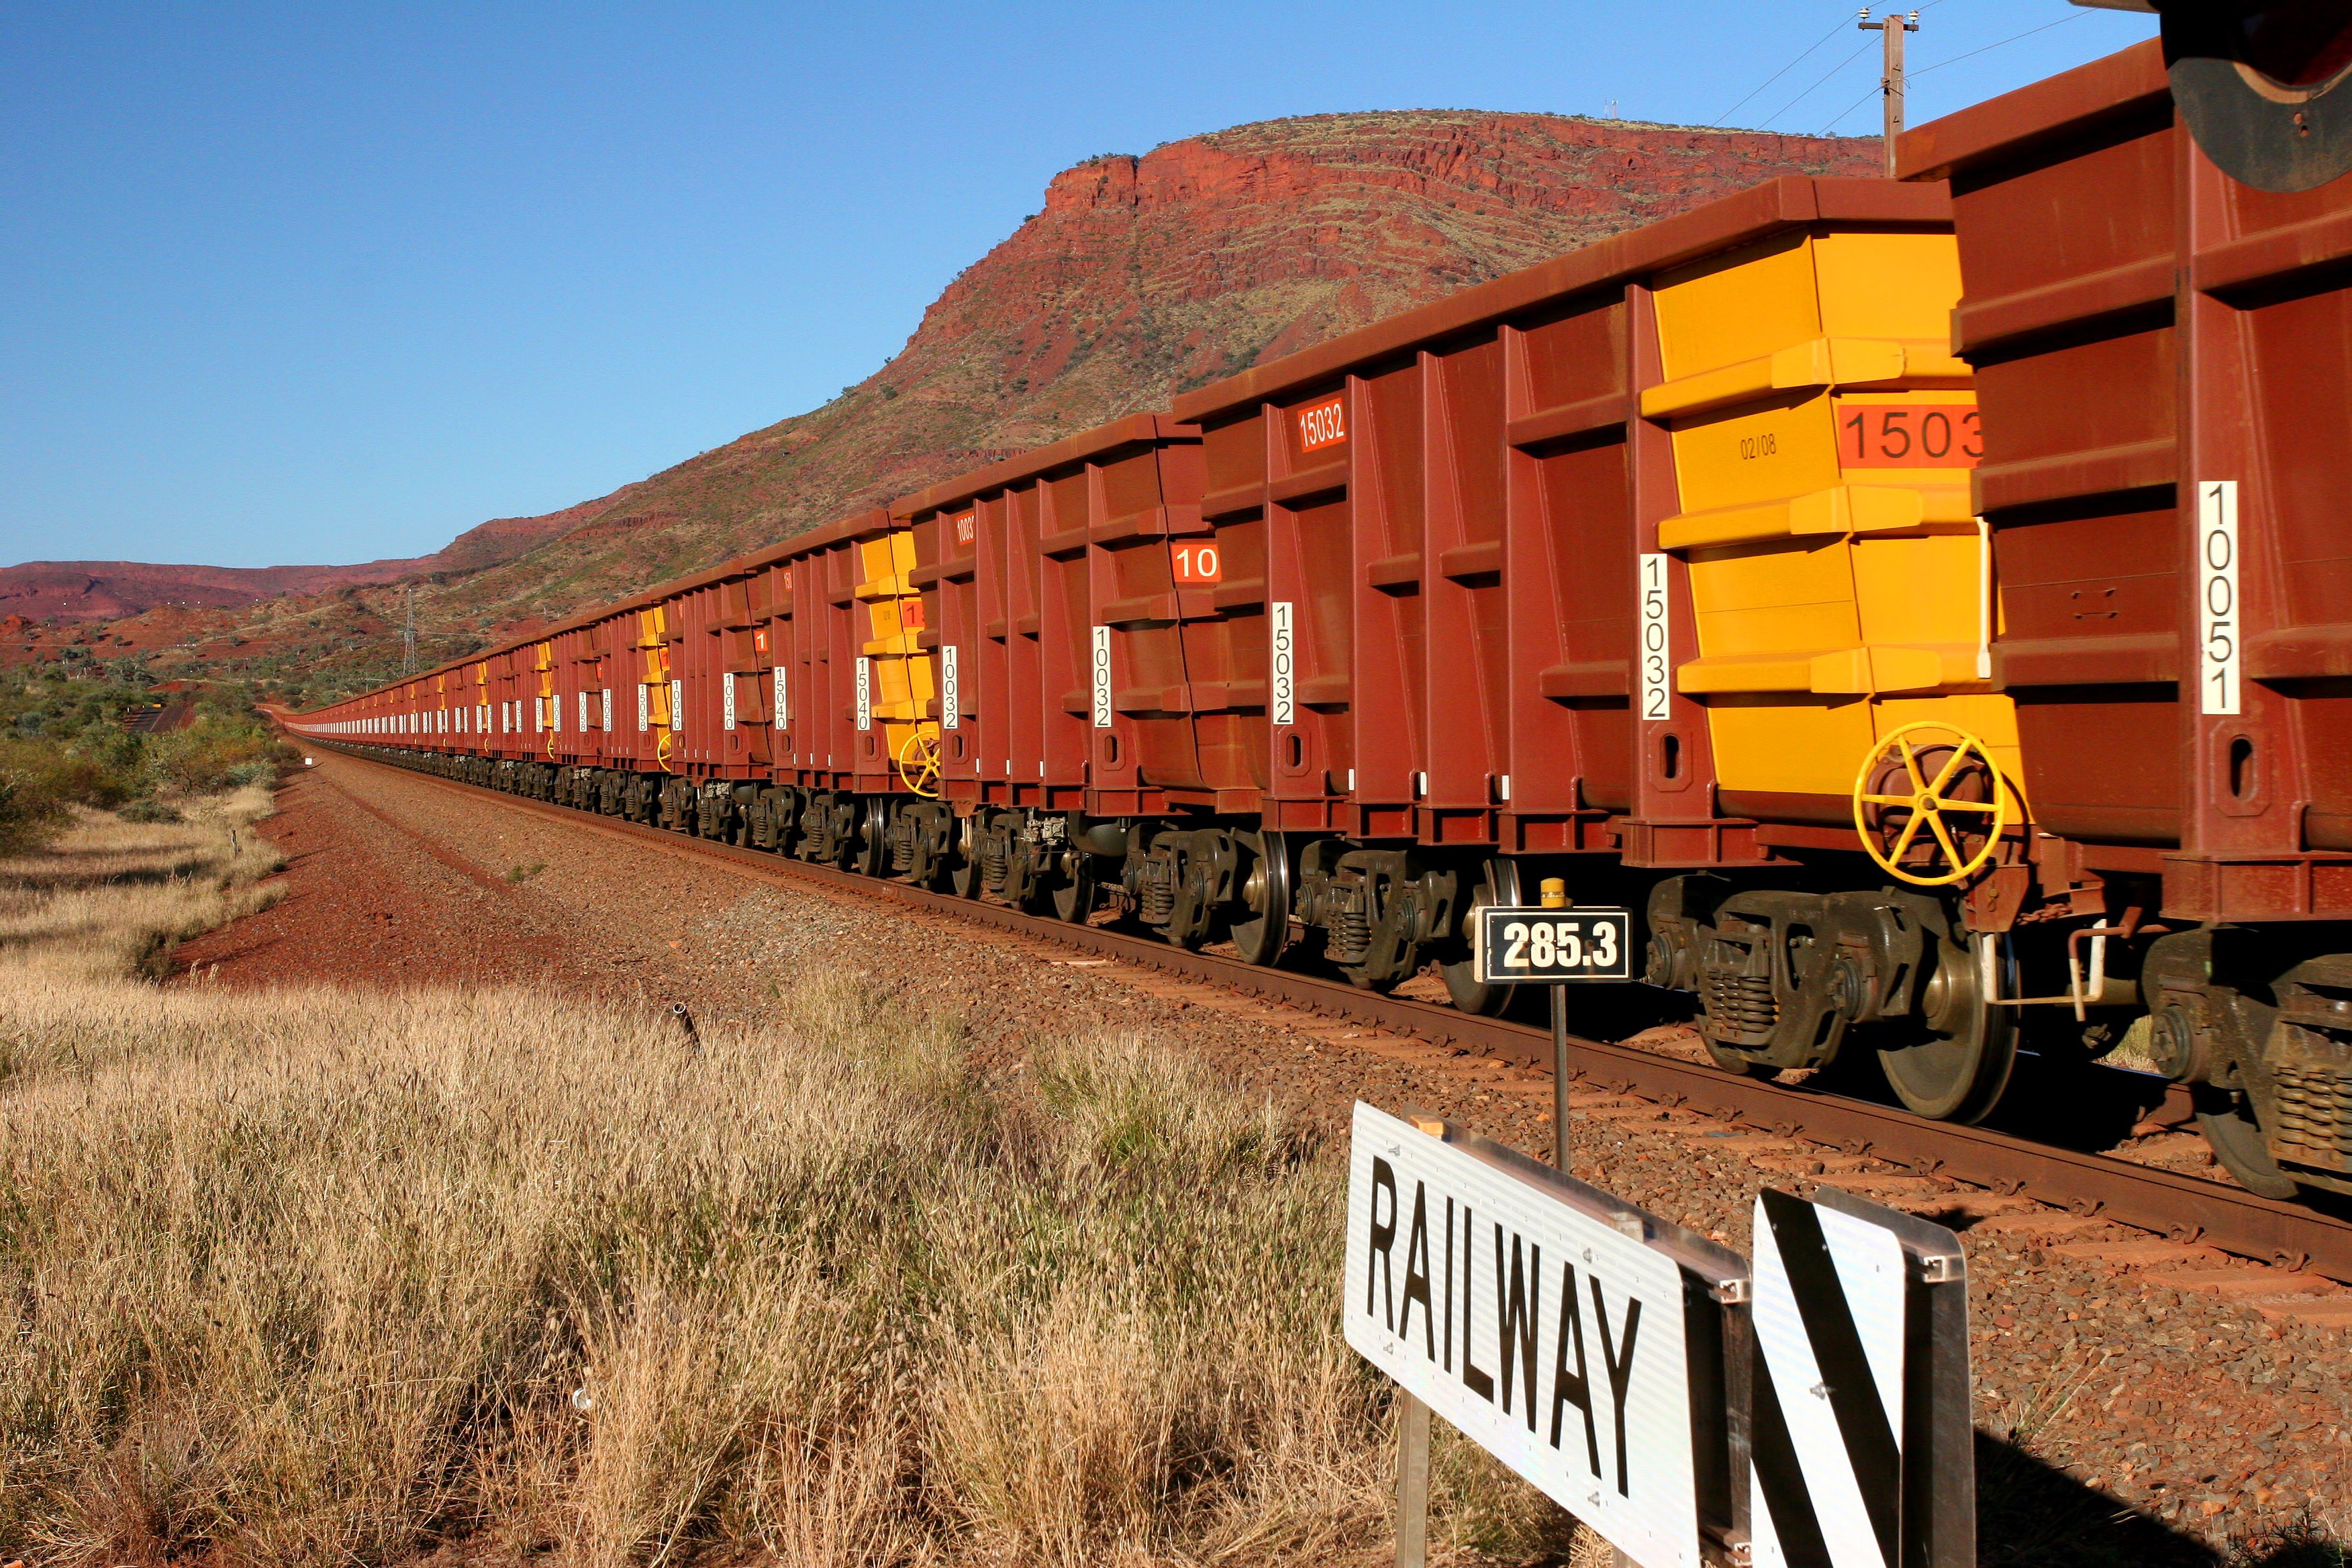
[{"x": 2184, "y": 1209}]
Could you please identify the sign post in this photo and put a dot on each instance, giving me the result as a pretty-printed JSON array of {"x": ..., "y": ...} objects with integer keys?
[{"x": 1550, "y": 946}]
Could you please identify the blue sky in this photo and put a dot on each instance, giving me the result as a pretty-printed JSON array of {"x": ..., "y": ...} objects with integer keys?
[{"x": 325, "y": 283}]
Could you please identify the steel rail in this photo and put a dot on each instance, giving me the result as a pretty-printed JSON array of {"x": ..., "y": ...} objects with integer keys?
[{"x": 2185, "y": 1208}]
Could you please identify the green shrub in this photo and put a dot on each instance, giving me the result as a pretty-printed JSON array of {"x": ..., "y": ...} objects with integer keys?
[
  {"x": 48, "y": 777},
  {"x": 217, "y": 752}
]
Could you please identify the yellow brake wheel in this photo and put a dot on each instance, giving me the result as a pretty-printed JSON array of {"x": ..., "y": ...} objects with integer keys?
[
  {"x": 918, "y": 763},
  {"x": 1930, "y": 804}
]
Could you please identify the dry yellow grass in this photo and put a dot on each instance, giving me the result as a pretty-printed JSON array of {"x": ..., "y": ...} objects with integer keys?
[
  {"x": 322, "y": 1277},
  {"x": 107, "y": 897}
]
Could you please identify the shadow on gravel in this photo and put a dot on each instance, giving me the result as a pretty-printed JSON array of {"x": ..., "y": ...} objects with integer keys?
[
  {"x": 2030, "y": 1515},
  {"x": 2075, "y": 1105}
]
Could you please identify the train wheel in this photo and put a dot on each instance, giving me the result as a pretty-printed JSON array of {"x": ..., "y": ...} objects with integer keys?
[
  {"x": 963, "y": 861},
  {"x": 2238, "y": 1144},
  {"x": 1499, "y": 888},
  {"x": 871, "y": 852},
  {"x": 1266, "y": 893},
  {"x": 1958, "y": 1071},
  {"x": 1074, "y": 894}
]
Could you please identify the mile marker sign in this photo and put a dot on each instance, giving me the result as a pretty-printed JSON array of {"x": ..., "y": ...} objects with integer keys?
[
  {"x": 1576, "y": 1338},
  {"x": 1519, "y": 947}
]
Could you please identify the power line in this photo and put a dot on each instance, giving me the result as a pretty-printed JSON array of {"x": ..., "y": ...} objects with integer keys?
[
  {"x": 1956, "y": 60},
  {"x": 1784, "y": 70},
  {"x": 1817, "y": 86}
]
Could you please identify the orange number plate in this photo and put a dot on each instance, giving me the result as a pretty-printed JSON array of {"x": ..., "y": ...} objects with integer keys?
[
  {"x": 1909, "y": 435},
  {"x": 1197, "y": 565}
]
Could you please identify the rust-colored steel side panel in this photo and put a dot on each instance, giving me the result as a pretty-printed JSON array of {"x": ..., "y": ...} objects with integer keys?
[
  {"x": 1389, "y": 485},
  {"x": 1027, "y": 672},
  {"x": 1225, "y": 655},
  {"x": 968, "y": 708},
  {"x": 2066, "y": 228},
  {"x": 771, "y": 609},
  {"x": 1310, "y": 610},
  {"x": 1462, "y": 695},
  {"x": 1065, "y": 632},
  {"x": 743, "y": 664},
  {"x": 2266, "y": 315},
  {"x": 799, "y": 626},
  {"x": 1569, "y": 570},
  {"x": 1143, "y": 517},
  {"x": 564, "y": 743},
  {"x": 848, "y": 627},
  {"x": 686, "y": 614},
  {"x": 616, "y": 691},
  {"x": 2159, "y": 347}
]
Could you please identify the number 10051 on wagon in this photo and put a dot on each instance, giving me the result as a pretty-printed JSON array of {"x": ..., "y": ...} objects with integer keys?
[{"x": 1526, "y": 945}]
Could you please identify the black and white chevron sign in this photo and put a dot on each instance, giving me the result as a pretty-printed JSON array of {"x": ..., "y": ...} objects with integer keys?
[{"x": 1862, "y": 1454}]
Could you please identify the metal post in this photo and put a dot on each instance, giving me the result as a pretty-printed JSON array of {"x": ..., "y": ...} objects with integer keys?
[
  {"x": 1412, "y": 1481},
  {"x": 1555, "y": 897},
  {"x": 1891, "y": 28}
]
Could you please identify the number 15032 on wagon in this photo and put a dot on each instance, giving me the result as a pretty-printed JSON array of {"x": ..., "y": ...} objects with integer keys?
[{"x": 1516, "y": 946}]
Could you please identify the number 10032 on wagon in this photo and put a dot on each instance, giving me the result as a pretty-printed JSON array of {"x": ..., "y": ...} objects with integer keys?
[{"x": 1528, "y": 945}]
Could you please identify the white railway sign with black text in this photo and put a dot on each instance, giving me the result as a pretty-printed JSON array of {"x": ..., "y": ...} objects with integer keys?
[{"x": 1551, "y": 1335}]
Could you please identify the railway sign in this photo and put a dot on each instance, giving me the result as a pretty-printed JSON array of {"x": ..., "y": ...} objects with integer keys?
[
  {"x": 1864, "y": 1454},
  {"x": 1517, "y": 947},
  {"x": 1565, "y": 1332},
  {"x": 1813, "y": 1414}
]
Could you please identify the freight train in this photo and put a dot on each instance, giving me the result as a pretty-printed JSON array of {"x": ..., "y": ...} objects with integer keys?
[{"x": 1927, "y": 601}]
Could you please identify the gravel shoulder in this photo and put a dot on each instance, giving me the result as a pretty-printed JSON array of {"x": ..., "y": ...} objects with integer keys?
[{"x": 2135, "y": 1402}]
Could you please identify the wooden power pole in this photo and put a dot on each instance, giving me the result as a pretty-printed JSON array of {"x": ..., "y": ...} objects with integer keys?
[{"x": 1892, "y": 26}]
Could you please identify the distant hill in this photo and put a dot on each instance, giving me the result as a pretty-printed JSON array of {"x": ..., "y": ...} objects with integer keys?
[
  {"x": 1142, "y": 276},
  {"x": 113, "y": 590}
]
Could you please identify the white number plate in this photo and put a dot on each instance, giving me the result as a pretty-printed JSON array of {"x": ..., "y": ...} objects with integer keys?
[
  {"x": 1102, "y": 678},
  {"x": 1282, "y": 664},
  {"x": 1657, "y": 655},
  {"x": 1521, "y": 946},
  {"x": 865, "y": 693},
  {"x": 2221, "y": 628},
  {"x": 951, "y": 689}
]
